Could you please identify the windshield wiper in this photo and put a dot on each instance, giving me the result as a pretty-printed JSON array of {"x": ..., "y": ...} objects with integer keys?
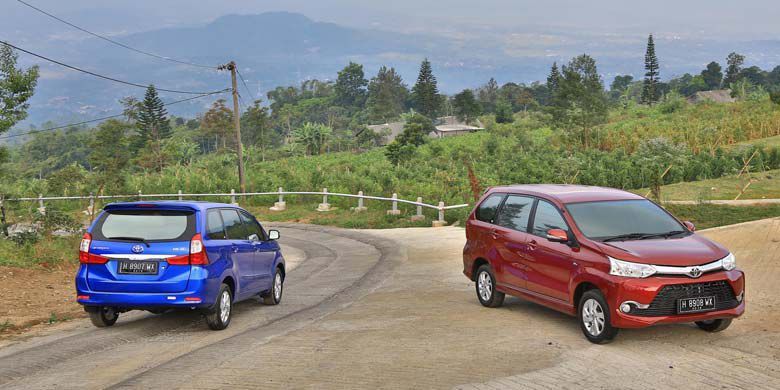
[
  {"x": 625, "y": 237},
  {"x": 136, "y": 239},
  {"x": 664, "y": 235}
]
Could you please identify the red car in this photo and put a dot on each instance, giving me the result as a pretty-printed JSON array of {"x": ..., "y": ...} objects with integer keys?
[{"x": 612, "y": 258}]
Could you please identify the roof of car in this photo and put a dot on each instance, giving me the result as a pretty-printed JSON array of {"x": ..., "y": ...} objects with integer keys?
[
  {"x": 193, "y": 204},
  {"x": 569, "y": 193}
]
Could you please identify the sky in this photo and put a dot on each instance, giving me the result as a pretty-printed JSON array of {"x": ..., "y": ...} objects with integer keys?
[{"x": 715, "y": 19}]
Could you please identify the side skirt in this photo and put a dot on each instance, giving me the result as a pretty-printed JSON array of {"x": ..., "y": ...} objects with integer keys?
[{"x": 544, "y": 300}]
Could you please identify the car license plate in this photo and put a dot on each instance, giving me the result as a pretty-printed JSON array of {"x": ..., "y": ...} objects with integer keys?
[
  {"x": 136, "y": 267},
  {"x": 693, "y": 305}
]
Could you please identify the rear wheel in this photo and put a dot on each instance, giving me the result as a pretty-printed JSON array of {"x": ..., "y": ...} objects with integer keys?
[
  {"x": 103, "y": 316},
  {"x": 274, "y": 296},
  {"x": 219, "y": 316},
  {"x": 714, "y": 325},
  {"x": 593, "y": 312},
  {"x": 486, "y": 288}
]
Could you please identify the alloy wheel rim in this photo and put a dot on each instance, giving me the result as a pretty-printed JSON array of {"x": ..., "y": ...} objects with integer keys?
[
  {"x": 593, "y": 317},
  {"x": 224, "y": 307},
  {"x": 278, "y": 287},
  {"x": 485, "y": 285}
]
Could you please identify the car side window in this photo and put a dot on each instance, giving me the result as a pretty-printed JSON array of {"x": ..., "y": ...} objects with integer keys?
[
  {"x": 215, "y": 230},
  {"x": 234, "y": 227},
  {"x": 515, "y": 213},
  {"x": 547, "y": 217},
  {"x": 251, "y": 226},
  {"x": 486, "y": 212}
]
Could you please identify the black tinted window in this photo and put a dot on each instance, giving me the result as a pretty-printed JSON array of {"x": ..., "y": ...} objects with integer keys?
[
  {"x": 149, "y": 225},
  {"x": 486, "y": 211},
  {"x": 234, "y": 227},
  {"x": 515, "y": 213},
  {"x": 251, "y": 226},
  {"x": 547, "y": 217},
  {"x": 214, "y": 228},
  {"x": 600, "y": 220}
]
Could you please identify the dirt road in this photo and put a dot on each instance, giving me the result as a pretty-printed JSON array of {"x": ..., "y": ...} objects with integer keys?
[{"x": 391, "y": 309}]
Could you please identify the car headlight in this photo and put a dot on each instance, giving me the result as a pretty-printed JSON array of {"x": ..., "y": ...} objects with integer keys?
[
  {"x": 729, "y": 262},
  {"x": 629, "y": 269}
]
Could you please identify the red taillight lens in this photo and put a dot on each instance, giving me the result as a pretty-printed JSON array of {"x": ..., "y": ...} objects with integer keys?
[
  {"x": 198, "y": 251},
  {"x": 89, "y": 258},
  {"x": 179, "y": 260}
]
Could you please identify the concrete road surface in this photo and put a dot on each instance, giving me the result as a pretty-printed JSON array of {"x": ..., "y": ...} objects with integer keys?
[{"x": 391, "y": 309}]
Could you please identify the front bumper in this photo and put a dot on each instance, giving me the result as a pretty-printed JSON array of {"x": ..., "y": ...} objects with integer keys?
[{"x": 644, "y": 291}]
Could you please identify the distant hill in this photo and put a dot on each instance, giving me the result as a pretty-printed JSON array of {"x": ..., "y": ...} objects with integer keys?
[{"x": 282, "y": 48}]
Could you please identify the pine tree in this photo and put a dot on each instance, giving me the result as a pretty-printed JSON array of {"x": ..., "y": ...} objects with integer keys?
[
  {"x": 733, "y": 69},
  {"x": 387, "y": 96},
  {"x": 553, "y": 80},
  {"x": 425, "y": 93},
  {"x": 152, "y": 122},
  {"x": 650, "y": 92}
]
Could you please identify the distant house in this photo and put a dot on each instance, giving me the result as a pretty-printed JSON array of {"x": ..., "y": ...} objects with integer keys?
[
  {"x": 450, "y": 125},
  {"x": 446, "y": 126},
  {"x": 717, "y": 96}
]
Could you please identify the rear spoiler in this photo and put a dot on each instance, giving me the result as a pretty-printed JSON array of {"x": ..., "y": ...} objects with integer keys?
[{"x": 148, "y": 206}]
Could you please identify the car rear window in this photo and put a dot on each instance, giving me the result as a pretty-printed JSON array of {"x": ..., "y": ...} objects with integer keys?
[{"x": 148, "y": 225}]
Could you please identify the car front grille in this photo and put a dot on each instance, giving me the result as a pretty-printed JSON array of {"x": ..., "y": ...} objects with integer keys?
[{"x": 665, "y": 302}]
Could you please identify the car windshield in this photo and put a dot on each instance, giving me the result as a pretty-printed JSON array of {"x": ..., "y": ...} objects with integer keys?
[
  {"x": 623, "y": 220},
  {"x": 145, "y": 225}
]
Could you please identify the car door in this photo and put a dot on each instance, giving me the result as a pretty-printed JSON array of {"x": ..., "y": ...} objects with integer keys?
[
  {"x": 264, "y": 251},
  {"x": 550, "y": 263},
  {"x": 511, "y": 238},
  {"x": 243, "y": 252}
]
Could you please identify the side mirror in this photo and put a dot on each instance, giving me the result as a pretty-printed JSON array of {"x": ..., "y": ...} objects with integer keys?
[
  {"x": 557, "y": 235},
  {"x": 273, "y": 235},
  {"x": 690, "y": 226},
  {"x": 253, "y": 237}
]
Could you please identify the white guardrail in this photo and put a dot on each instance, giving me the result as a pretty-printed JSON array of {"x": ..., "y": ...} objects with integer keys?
[{"x": 278, "y": 206}]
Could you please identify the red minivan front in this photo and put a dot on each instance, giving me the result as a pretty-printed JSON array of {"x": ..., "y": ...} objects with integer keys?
[{"x": 610, "y": 257}]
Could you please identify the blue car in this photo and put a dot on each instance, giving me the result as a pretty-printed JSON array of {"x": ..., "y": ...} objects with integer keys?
[{"x": 159, "y": 256}]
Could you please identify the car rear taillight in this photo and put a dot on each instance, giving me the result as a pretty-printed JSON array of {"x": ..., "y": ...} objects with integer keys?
[
  {"x": 197, "y": 251},
  {"x": 197, "y": 254},
  {"x": 89, "y": 258}
]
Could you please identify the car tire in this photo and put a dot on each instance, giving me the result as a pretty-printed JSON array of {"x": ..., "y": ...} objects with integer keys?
[
  {"x": 594, "y": 316},
  {"x": 219, "y": 316},
  {"x": 485, "y": 284},
  {"x": 274, "y": 296},
  {"x": 714, "y": 325},
  {"x": 103, "y": 317}
]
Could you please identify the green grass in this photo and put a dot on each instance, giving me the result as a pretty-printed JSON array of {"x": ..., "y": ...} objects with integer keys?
[
  {"x": 47, "y": 252},
  {"x": 761, "y": 142},
  {"x": 706, "y": 216},
  {"x": 766, "y": 185}
]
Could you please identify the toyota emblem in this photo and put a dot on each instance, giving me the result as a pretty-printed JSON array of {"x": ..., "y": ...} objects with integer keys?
[
  {"x": 137, "y": 248},
  {"x": 695, "y": 272}
]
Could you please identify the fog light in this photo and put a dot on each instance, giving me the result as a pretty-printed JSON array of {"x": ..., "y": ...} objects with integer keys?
[
  {"x": 740, "y": 296},
  {"x": 625, "y": 308}
]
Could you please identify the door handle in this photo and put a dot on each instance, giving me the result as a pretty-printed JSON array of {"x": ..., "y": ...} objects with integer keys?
[
  {"x": 235, "y": 248},
  {"x": 532, "y": 245},
  {"x": 494, "y": 234}
]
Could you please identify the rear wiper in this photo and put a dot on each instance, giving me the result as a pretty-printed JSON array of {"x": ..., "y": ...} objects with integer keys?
[{"x": 136, "y": 239}]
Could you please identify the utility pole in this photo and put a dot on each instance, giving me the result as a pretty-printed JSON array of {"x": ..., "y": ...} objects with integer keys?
[{"x": 231, "y": 66}]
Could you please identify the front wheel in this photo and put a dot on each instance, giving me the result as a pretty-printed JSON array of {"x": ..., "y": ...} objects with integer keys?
[
  {"x": 103, "y": 317},
  {"x": 274, "y": 296},
  {"x": 594, "y": 315},
  {"x": 219, "y": 316},
  {"x": 714, "y": 325}
]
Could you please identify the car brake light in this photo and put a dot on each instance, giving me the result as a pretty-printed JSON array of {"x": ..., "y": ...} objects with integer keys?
[
  {"x": 197, "y": 251},
  {"x": 197, "y": 254},
  {"x": 89, "y": 258},
  {"x": 82, "y": 297}
]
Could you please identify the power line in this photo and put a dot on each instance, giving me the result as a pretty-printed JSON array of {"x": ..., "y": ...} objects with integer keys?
[
  {"x": 105, "y": 117},
  {"x": 100, "y": 75},
  {"x": 244, "y": 82},
  {"x": 115, "y": 42}
]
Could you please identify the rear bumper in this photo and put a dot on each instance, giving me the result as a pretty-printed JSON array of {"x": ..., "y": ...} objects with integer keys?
[
  {"x": 197, "y": 295},
  {"x": 643, "y": 291}
]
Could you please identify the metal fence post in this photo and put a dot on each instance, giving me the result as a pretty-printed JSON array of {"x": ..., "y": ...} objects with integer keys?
[
  {"x": 41, "y": 207},
  {"x": 360, "y": 207},
  {"x": 419, "y": 216},
  {"x": 180, "y": 197},
  {"x": 324, "y": 206},
  {"x": 280, "y": 205},
  {"x": 394, "y": 210},
  {"x": 233, "y": 197},
  {"x": 440, "y": 222}
]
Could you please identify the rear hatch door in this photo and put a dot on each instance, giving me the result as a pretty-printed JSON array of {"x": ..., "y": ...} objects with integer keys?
[{"x": 140, "y": 243}]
